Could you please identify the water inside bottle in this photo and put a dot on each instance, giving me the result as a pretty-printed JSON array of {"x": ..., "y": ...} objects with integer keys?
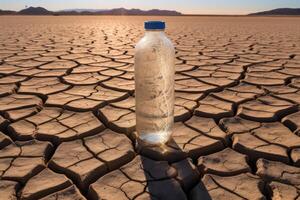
[{"x": 154, "y": 87}]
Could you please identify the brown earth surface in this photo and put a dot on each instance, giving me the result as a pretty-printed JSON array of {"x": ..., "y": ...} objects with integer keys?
[{"x": 67, "y": 123}]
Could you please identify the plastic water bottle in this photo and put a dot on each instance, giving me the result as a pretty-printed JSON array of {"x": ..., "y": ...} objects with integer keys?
[{"x": 154, "y": 84}]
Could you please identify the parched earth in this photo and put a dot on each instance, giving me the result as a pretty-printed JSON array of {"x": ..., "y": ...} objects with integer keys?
[{"x": 67, "y": 123}]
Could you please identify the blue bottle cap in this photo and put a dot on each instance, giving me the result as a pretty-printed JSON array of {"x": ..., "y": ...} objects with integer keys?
[{"x": 155, "y": 25}]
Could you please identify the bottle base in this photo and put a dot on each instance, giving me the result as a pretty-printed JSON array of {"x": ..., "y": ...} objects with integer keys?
[{"x": 157, "y": 138}]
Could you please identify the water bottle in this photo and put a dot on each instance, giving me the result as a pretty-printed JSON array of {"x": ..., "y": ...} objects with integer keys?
[{"x": 154, "y": 84}]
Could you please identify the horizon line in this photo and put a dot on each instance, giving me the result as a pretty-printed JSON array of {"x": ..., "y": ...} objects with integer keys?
[{"x": 185, "y": 14}]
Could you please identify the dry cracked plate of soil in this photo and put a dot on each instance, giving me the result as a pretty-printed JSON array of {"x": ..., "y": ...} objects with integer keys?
[{"x": 67, "y": 110}]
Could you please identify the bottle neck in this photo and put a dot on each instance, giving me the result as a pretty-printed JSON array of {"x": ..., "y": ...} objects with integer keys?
[{"x": 155, "y": 32}]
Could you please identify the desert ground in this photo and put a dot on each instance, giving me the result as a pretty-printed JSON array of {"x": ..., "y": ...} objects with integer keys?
[{"x": 67, "y": 123}]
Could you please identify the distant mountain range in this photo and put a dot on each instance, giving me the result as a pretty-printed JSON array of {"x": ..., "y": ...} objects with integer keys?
[
  {"x": 280, "y": 11},
  {"x": 124, "y": 11},
  {"x": 7, "y": 12},
  {"x": 115, "y": 11},
  {"x": 35, "y": 11}
]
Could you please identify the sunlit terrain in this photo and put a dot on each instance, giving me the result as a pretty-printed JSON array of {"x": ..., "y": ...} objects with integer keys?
[{"x": 67, "y": 107}]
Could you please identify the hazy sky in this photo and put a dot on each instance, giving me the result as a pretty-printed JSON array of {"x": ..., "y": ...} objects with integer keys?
[{"x": 184, "y": 6}]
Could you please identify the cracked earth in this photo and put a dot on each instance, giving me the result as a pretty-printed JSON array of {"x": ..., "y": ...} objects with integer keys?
[{"x": 67, "y": 110}]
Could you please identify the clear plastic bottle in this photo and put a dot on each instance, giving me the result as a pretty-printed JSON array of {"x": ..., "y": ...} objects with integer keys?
[{"x": 154, "y": 84}]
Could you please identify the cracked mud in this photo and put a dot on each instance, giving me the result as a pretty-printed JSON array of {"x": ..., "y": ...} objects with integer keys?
[{"x": 67, "y": 110}]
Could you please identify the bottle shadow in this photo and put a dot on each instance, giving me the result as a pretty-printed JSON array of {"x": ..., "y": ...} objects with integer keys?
[{"x": 170, "y": 174}]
